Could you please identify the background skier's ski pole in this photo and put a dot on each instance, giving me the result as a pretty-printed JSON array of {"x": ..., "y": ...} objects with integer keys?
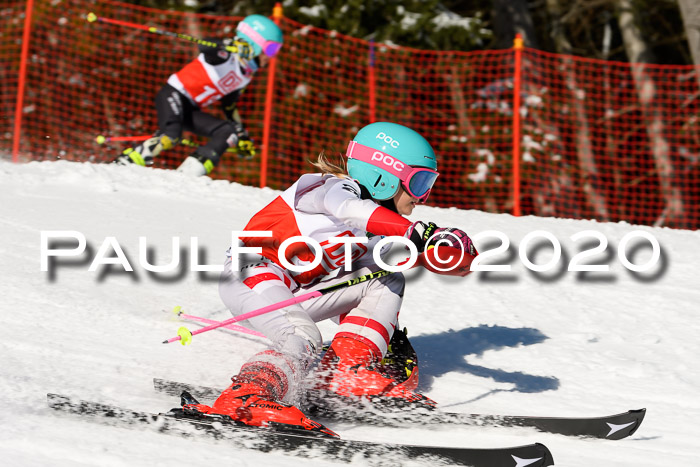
[
  {"x": 92, "y": 17},
  {"x": 101, "y": 139},
  {"x": 184, "y": 334}
]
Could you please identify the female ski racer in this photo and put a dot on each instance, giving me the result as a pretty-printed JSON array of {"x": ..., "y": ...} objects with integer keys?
[
  {"x": 215, "y": 75},
  {"x": 390, "y": 169}
]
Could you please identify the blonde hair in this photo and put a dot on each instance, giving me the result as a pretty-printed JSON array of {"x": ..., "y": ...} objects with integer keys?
[{"x": 330, "y": 168}]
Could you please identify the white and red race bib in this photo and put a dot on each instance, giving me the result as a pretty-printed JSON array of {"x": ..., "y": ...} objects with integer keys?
[{"x": 205, "y": 84}]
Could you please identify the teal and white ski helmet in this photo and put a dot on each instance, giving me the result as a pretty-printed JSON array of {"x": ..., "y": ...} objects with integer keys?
[
  {"x": 261, "y": 33},
  {"x": 385, "y": 155}
]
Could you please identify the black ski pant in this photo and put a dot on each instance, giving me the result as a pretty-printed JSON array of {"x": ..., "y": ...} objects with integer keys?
[{"x": 177, "y": 114}]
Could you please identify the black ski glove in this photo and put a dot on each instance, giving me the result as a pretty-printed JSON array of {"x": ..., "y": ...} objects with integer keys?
[{"x": 419, "y": 233}]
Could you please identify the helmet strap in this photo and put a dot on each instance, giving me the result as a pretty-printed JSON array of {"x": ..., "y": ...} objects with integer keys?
[
  {"x": 389, "y": 204},
  {"x": 364, "y": 192}
]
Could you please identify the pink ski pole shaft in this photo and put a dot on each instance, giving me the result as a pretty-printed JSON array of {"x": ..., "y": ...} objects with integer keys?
[
  {"x": 232, "y": 327},
  {"x": 186, "y": 336}
]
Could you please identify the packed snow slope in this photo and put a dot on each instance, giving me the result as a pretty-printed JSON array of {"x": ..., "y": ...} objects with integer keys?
[{"x": 519, "y": 342}]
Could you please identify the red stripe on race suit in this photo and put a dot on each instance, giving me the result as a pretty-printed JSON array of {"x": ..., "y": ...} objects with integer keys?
[
  {"x": 287, "y": 282},
  {"x": 383, "y": 221},
  {"x": 376, "y": 353},
  {"x": 286, "y": 279},
  {"x": 251, "y": 282},
  {"x": 369, "y": 323}
]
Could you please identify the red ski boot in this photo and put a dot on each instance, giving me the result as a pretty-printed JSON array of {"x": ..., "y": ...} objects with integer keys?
[
  {"x": 248, "y": 401},
  {"x": 351, "y": 370}
]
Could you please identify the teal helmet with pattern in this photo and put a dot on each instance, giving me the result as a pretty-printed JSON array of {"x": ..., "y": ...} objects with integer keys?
[
  {"x": 384, "y": 156},
  {"x": 263, "y": 35}
]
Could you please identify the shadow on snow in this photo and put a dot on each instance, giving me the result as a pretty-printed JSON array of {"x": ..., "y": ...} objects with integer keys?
[{"x": 446, "y": 352}]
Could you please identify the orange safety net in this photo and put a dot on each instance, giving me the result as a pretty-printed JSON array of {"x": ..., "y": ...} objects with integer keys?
[
  {"x": 11, "y": 29},
  {"x": 599, "y": 140},
  {"x": 610, "y": 141}
]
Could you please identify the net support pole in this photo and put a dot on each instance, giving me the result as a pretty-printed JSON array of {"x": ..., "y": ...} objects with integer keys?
[
  {"x": 269, "y": 93},
  {"x": 22, "y": 79},
  {"x": 517, "y": 85},
  {"x": 371, "y": 84}
]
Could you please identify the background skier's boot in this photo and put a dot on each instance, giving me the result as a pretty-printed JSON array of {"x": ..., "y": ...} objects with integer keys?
[
  {"x": 200, "y": 163},
  {"x": 144, "y": 153}
]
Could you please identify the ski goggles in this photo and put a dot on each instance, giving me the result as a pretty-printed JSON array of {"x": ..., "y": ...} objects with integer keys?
[
  {"x": 269, "y": 47},
  {"x": 416, "y": 181}
]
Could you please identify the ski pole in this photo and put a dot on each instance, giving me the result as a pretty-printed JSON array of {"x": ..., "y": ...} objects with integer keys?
[
  {"x": 460, "y": 267},
  {"x": 185, "y": 335},
  {"x": 178, "y": 311},
  {"x": 101, "y": 139},
  {"x": 92, "y": 17}
]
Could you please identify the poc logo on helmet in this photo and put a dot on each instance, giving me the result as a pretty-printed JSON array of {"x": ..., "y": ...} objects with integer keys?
[
  {"x": 388, "y": 139},
  {"x": 388, "y": 160}
]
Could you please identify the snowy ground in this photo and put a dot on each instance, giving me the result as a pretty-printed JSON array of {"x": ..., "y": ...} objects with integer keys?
[{"x": 558, "y": 343}]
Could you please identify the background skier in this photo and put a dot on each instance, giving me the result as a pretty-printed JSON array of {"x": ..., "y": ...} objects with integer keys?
[
  {"x": 391, "y": 168},
  {"x": 215, "y": 75}
]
